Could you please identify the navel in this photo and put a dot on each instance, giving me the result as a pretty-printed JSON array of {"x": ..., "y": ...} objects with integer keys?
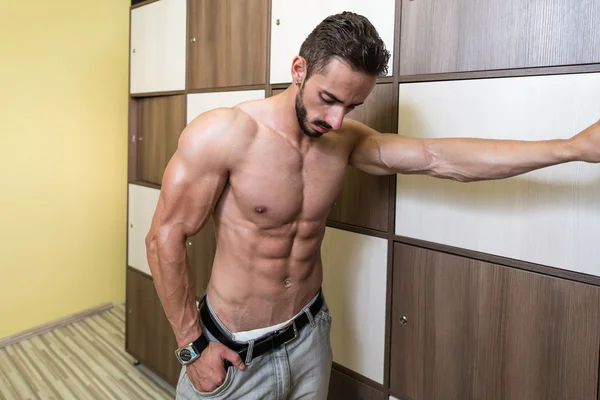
[
  {"x": 287, "y": 283},
  {"x": 260, "y": 210}
]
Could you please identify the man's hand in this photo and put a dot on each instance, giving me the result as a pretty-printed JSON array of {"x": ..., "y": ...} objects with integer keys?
[
  {"x": 587, "y": 144},
  {"x": 208, "y": 372}
]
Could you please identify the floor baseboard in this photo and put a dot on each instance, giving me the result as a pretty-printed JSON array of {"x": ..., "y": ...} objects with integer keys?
[{"x": 53, "y": 325}]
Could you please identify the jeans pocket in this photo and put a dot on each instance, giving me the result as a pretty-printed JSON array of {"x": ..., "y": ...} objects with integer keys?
[{"x": 220, "y": 390}]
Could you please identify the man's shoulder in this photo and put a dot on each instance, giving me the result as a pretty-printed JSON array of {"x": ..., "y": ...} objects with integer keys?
[{"x": 220, "y": 127}]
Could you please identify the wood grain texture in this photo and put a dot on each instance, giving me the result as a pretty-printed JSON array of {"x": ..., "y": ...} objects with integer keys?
[
  {"x": 38, "y": 330},
  {"x": 161, "y": 121},
  {"x": 201, "y": 253},
  {"x": 343, "y": 387},
  {"x": 363, "y": 198},
  {"x": 479, "y": 331},
  {"x": 465, "y": 35},
  {"x": 132, "y": 138},
  {"x": 150, "y": 338},
  {"x": 82, "y": 360},
  {"x": 230, "y": 43}
]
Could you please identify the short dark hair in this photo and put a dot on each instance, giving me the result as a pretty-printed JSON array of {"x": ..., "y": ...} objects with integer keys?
[{"x": 349, "y": 37}]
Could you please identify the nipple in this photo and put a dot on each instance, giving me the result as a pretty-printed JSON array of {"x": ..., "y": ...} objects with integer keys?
[{"x": 260, "y": 210}]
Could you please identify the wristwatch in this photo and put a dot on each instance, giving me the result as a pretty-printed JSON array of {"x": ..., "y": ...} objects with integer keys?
[{"x": 190, "y": 352}]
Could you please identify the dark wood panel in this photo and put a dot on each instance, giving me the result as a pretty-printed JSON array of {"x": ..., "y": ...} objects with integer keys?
[
  {"x": 228, "y": 43},
  {"x": 201, "y": 253},
  {"x": 132, "y": 139},
  {"x": 363, "y": 199},
  {"x": 476, "y": 330},
  {"x": 464, "y": 35},
  {"x": 150, "y": 338},
  {"x": 502, "y": 73},
  {"x": 504, "y": 261},
  {"x": 161, "y": 121},
  {"x": 343, "y": 387}
]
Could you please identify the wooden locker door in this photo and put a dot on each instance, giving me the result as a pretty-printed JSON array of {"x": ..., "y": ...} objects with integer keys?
[
  {"x": 199, "y": 103},
  {"x": 158, "y": 47},
  {"x": 344, "y": 387},
  {"x": 150, "y": 338},
  {"x": 142, "y": 204},
  {"x": 464, "y": 35},
  {"x": 162, "y": 119},
  {"x": 354, "y": 285},
  {"x": 228, "y": 43},
  {"x": 466, "y": 329},
  {"x": 201, "y": 253},
  {"x": 291, "y": 24},
  {"x": 549, "y": 216},
  {"x": 364, "y": 199}
]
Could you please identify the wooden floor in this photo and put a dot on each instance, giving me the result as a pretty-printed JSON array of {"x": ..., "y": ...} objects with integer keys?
[{"x": 83, "y": 360}]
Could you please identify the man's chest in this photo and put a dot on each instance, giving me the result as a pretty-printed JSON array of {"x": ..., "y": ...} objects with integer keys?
[{"x": 282, "y": 188}]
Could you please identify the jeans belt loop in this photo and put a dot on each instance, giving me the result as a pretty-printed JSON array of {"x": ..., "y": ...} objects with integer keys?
[{"x": 249, "y": 353}]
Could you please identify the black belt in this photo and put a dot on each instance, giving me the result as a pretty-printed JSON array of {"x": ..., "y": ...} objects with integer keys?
[{"x": 272, "y": 341}]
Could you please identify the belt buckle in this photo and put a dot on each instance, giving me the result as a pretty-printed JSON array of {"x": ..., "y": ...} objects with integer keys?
[{"x": 293, "y": 324}]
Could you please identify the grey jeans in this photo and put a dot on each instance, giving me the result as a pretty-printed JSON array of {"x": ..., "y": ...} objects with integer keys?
[{"x": 297, "y": 370}]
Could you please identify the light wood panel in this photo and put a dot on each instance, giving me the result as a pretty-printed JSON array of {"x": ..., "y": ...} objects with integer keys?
[
  {"x": 291, "y": 24},
  {"x": 150, "y": 337},
  {"x": 228, "y": 43},
  {"x": 199, "y": 103},
  {"x": 161, "y": 121},
  {"x": 549, "y": 216},
  {"x": 142, "y": 204},
  {"x": 464, "y": 35},
  {"x": 474, "y": 330},
  {"x": 82, "y": 360},
  {"x": 354, "y": 282},
  {"x": 158, "y": 47}
]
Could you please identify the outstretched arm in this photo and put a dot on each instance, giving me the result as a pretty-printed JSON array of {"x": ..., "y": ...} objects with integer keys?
[{"x": 467, "y": 159}]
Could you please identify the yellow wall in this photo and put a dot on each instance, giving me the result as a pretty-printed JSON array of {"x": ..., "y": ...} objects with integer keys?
[{"x": 63, "y": 158}]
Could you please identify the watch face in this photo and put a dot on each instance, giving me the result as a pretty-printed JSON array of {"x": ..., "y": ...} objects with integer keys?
[{"x": 185, "y": 355}]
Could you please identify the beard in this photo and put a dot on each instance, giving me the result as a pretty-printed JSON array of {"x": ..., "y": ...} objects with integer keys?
[{"x": 303, "y": 120}]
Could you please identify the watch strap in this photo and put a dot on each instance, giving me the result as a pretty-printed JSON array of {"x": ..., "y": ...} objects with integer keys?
[{"x": 200, "y": 344}]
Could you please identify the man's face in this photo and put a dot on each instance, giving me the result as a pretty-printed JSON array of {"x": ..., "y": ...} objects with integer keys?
[{"x": 327, "y": 96}]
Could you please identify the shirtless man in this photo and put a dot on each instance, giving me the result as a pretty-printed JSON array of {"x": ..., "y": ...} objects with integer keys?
[{"x": 269, "y": 171}]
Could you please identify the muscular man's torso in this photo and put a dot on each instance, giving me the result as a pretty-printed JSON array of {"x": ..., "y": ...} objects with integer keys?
[{"x": 270, "y": 221}]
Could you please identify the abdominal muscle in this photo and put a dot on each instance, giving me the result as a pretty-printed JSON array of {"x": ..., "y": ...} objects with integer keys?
[{"x": 263, "y": 277}]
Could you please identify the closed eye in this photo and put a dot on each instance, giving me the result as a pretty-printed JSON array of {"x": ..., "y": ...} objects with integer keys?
[{"x": 324, "y": 100}]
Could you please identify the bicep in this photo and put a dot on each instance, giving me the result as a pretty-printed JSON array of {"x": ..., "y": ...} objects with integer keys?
[
  {"x": 192, "y": 182},
  {"x": 385, "y": 154},
  {"x": 188, "y": 194}
]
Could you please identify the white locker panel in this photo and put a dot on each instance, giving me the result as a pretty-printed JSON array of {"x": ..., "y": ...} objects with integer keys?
[
  {"x": 199, "y": 103},
  {"x": 142, "y": 203},
  {"x": 549, "y": 216},
  {"x": 354, "y": 284},
  {"x": 158, "y": 47},
  {"x": 296, "y": 22}
]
